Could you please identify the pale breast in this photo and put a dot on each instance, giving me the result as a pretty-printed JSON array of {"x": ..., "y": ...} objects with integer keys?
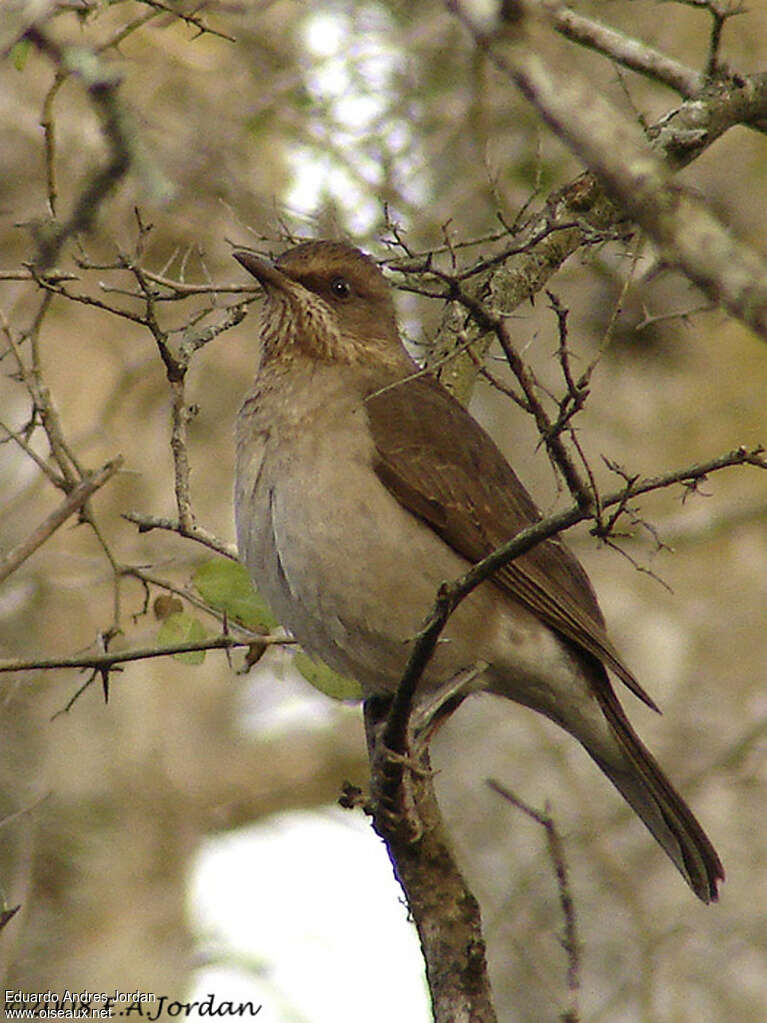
[{"x": 334, "y": 553}]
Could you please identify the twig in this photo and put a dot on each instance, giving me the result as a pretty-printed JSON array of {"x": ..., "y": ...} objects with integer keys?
[
  {"x": 74, "y": 501},
  {"x": 551, "y": 436},
  {"x": 570, "y": 942},
  {"x": 191, "y": 531},
  {"x": 176, "y": 367},
  {"x": 189, "y": 19},
  {"x": 52, "y": 285},
  {"x": 102, "y": 88},
  {"x": 107, "y": 661},
  {"x": 48, "y": 124},
  {"x": 26, "y": 275},
  {"x": 148, "y": 579},
  {"x": 181, "y": 290}
]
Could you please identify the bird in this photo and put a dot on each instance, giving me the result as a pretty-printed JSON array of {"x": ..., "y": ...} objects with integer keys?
[{"x": 362, "y": 484}]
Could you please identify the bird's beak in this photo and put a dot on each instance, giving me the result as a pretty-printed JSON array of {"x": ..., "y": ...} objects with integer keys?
[{"x": 265, "y": 272}]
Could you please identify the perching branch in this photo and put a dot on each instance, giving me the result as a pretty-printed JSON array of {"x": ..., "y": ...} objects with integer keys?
[
  {"x": 445, "y": 912},
  {"x": 404, "y": 807}
]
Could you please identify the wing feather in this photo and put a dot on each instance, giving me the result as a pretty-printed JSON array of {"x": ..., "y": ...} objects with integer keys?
[{"x": 443, "y": 467}]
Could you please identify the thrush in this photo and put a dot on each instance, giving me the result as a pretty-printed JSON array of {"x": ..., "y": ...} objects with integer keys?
[{"x": 362, "y": 485}]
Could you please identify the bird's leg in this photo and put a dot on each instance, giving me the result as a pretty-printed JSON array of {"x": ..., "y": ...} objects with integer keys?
[
  {"x": 437, "y": 707},
  {"x": 397, "y": 777}
]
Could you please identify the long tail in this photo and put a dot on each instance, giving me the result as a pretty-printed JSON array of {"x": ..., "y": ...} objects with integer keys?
[{"x": 650, "y": 794}]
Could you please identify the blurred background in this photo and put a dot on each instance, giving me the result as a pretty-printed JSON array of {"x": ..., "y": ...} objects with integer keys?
[{"x": 184, "y": 838}]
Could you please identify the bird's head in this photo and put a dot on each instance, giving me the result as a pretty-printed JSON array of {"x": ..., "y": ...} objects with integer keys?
[{"x": 328, "y": 301}]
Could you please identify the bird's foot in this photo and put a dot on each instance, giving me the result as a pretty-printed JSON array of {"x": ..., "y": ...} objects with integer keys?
[
  {"x": 411, "y": 761},
  {"x": 396, "y": 779}
]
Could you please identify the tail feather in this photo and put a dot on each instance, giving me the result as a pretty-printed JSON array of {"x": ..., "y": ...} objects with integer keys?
[{"x": 644, "y": 786}]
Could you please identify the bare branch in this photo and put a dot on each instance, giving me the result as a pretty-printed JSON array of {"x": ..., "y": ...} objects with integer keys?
[
  {"x": 570, "y": 942},
  {"x": 631, "y": 53},
  {"x": 181, "y": 290},
  {"x": 192, "y": 531},
  {"x": 102, "y": 88},
  {"x": 149, "y": 579},
  {"x": 53, "y": 277},
  {"x": 73, "y": 502},
  {"x": 190, "y": 19},
  {"x": 686, "y": 232}
]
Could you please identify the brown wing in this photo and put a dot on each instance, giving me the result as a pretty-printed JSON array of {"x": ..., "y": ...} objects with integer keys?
[{"x": 441, "y": 465}]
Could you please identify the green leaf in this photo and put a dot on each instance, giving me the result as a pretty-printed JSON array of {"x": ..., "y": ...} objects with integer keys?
[
  {"x": 226, "y": 586},
  {"x": 326, "y": 680},
  {"x": 181, "y": 627}
]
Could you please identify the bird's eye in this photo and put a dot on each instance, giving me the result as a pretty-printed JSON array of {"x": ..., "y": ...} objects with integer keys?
[{"x": 340, "y": 287}]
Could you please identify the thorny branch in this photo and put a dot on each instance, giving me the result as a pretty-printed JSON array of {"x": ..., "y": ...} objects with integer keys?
[
  {"x": 108, "y": 660},
  {"x": 102, "y": 88},
  {"x": 189, "y": 18}
]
